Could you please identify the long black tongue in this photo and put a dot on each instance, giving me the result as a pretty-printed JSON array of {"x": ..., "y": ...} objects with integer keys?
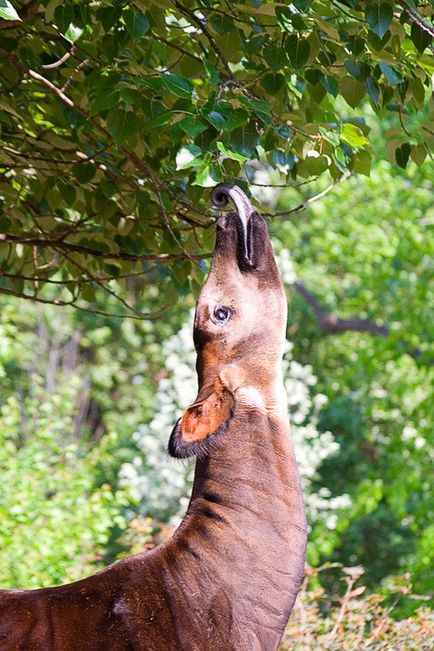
[{"x": 220, "y": 198}]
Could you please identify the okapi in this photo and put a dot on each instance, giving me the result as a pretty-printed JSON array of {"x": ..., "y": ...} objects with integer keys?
[{"x": 228, "y": 578}]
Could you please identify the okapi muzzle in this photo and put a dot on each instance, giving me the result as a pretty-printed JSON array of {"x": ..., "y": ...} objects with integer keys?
[{"x": 239, "y": 326}]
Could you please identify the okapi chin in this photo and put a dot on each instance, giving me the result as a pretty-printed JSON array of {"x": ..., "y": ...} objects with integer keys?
[{"x": 228, "y": 578}]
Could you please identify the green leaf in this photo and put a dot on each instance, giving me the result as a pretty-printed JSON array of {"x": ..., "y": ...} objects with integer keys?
[
  {"x": 257, "y": 105},
  {"x": 275, "y": 57},
  {"x": 244, "y": 141},
  {"x": 177, "y": 84},
  {"x": 340, "y": 160},
  {"x": 68, "y": 193},
  {"x": 297, "y": 50},
  {"x": 137, "y": 23},
  {"x": 390, "y": 74},
  {"x": 420, "y": 37},
  {"x": 207, "y": 177},
  {"x": 84, "y": 172},
  {"x": 7, "y": 11},
  {"x": 330, "y": 84},
  {"x": 353, "y": 136},
  {"x": 226, "y": 118},
  {"x": 122, "y": 125},
  {"x": 193, "y": 125},
  {"x": 362, "y": 162},
  {"x": 283, "y": 131},
  {"x": 230, "y": 154},
  {"x": 418, "y": 154},
  {"x": 159, "y": 120},
  {"x": 188, "y": 156},
  {"x": 330, "y": 136},
  {"x": 402, "y": 154},
  {"x": 372, "y": 88},
  {"x": 211, "y": 71},
  {"x": 379, "y": 16},
  {"x": 217, "y": 120},
  {"x": 316, "y": 165},
  {"x": 106, "y": 100},
  {"x": 272, "y": 83},
  {"x": 357, "y": 69},
  {"x": 352, "y": 91},
  {"x": 73, "y": 33},
  {"x": 64, "y": 16}
]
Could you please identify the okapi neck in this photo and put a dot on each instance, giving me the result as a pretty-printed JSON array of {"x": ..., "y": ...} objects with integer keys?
[{"x": 245, "y": 530}]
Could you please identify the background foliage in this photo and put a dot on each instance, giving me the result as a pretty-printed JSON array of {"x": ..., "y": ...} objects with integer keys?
[{"x": 115, "y": 118}]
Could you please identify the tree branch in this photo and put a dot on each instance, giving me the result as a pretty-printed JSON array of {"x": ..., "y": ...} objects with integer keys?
[
  {"x": 333, "y": 324},
  {"x": 120, "y": 255},
  {"x": 417, "y": 18}
]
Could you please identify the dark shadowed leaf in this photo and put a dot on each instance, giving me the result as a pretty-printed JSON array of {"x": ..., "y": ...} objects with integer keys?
[
  {"x": 379, "y": 16},
  {"x": 402, "y": 154},
  {"x": 244, "y": 141},
  {"x": 274, "y": 55},
  {"x": 122, "y": 125},
  {"x": 298, "y": 50},
  {"x": 137, "y": 23},
  {"x": 420, "y": 37},
  {"x": 352, "y": 91}
]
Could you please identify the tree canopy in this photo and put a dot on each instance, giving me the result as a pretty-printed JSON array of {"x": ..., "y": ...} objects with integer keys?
[{"x": 116, "y": 117}]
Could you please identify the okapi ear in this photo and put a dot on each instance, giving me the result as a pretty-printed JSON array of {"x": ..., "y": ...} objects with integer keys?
[{"x": 201, "y": 420}]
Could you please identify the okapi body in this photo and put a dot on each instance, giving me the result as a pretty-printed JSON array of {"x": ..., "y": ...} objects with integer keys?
[{"x": 228, "y": 578}]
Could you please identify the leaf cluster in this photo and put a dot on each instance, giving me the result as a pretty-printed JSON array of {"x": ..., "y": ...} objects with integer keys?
[{"x": 115, "y": 118}]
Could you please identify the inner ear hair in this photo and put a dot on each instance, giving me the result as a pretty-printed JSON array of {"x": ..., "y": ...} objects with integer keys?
[{"x": 202, "y": 423}]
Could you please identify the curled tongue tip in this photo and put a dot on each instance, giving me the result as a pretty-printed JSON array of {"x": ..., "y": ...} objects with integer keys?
[
  {"x": 220, "y": 195},
  {"x": 220, "y": 198}
]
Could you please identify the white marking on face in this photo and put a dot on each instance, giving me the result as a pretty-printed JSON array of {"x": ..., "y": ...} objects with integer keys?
[{"x": 250, "y": 397}]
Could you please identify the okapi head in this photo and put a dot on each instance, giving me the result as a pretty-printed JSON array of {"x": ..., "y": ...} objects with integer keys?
[{"x": 239, "y": 329}]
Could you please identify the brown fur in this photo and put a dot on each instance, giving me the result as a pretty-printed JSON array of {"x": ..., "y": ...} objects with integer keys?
[{"x": 228, "y": 578}]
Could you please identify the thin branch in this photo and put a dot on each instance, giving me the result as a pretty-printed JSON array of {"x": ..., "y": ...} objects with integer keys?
[
  {"x": 86, "y": 273},
  {"x": 68, "y": 247},
  {"x": 61, "y": 303},
  {"x": 211, "y": 41},
  {"x": 57, "y": 64},
  {"x": 316, "y": 197},
  {"x": 177, "y": 47},
  {"x": 417, "y": 18}
]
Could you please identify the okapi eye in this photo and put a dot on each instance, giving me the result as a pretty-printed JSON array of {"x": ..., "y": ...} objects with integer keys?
[{"x": 222, "y": 314}]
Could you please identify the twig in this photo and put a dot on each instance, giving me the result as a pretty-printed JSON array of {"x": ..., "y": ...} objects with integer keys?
[
  {"x": 417, "y": 18},
  {"x": 316, "y": 197},
  {"x": 351, "y": 581},
  {"x": 213, "y": 44},
  {"x": 57, "y": 64}
]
